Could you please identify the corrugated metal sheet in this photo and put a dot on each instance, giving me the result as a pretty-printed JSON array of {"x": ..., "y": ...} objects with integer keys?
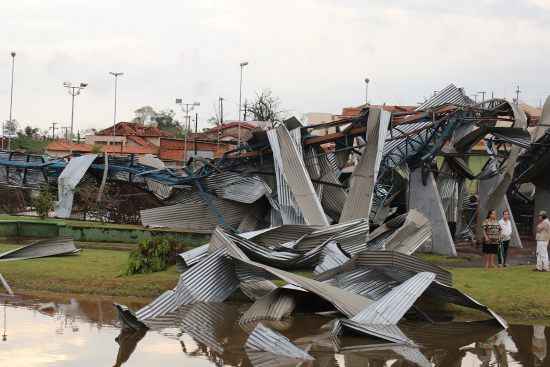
[
  {"x": 192, "y": 213},
  {"x": 263, "y": 339},
  {"x": 60, "y": 246},
  {"x": 212, "y": 280},
  {"x": 416, "y": 231},
  {"x": 359, "y": 200},
  {"x": 392, "y": 259},
  {"x": 246, "y": 190},
  {"x": 367, "y": 282},
  {"x": 347, "y": 302},
  {"x": 276, "y": 305},
  {"x": 193, "y": 256},
  {"x": 289, "y": 210},
  {"x": 298, "y": 179},
  {"x": 67, "y": 181},
  {"x": 390, "y": 333},
  {"x": 331, "y": 257},
  {"x": 448, "y": 95},
  {"x": 389, "y": 309},
  {"x": 438, "y": 290},
  {"x": 352, "y": 232}
]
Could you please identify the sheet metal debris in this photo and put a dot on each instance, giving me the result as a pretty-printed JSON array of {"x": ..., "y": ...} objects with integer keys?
[
  {"x": 263, "y": 339},
  {"x": 68, "y": 180},
  {"x": 61, "y": 246}
]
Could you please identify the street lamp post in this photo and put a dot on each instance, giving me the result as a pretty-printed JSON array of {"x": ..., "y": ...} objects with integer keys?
[
  {"x": 367, "y": 81},
  {"x": 116, "y": 75},
  {"x": 242, "y": 64},
  {"x": 11, "y": 98},
  {"x": 188, "y": 107},
  {"x": 74, "y": 90}
]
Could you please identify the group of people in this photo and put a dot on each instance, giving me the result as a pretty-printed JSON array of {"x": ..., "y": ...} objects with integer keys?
[{"x": 496, "y": 239}]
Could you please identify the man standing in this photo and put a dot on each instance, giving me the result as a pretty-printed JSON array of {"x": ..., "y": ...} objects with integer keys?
[{"x": 542, "y": 237}]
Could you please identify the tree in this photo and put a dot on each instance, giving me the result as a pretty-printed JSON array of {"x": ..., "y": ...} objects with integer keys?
[
  {"x": 10, "y": 127},
  {"x": 265, "y": 107},
  {"x": 43, "y": 202},
  {"x": 30, "y": 132},
  {"x": 165, "y": 121},
  {"x": 214, "y": 121},
  {"x": 145, "y": 115}
]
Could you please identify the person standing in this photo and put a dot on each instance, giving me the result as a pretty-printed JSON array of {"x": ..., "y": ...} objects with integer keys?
[
  {"x": 506, "y": 234},
  {"x": 542, "y": 237},
  {"x": 491, "y": 239}
]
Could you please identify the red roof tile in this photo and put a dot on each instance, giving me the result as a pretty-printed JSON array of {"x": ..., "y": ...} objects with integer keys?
[
  {"x": 134, "y": 128},
  {"x": 63, "y": 146}
]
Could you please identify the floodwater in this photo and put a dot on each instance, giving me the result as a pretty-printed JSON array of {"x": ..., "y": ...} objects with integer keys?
[{"x": 86, "y": 333}]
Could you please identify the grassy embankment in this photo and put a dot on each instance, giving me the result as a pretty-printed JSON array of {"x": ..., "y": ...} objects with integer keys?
[{"x": 516, "y": 293}]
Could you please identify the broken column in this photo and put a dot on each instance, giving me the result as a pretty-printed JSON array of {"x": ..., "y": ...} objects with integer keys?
[{"x": 426, "y": 199}]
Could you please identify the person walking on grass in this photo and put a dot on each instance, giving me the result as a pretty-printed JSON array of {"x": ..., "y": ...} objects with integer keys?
[
  {"x": 506, "y": 234},
  {"x": 491, "y": 239},
  {"x": 542, "y": 237}
]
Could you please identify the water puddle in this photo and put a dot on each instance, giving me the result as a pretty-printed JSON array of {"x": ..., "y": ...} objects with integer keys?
[{"x": 86, "y": 333}]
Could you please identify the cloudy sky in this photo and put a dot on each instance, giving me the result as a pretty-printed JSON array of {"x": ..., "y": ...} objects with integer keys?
[{"x": 313, "y": 54}]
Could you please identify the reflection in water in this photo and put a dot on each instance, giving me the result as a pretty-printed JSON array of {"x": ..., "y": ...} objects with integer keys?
[{"x": 85, "y": 333}]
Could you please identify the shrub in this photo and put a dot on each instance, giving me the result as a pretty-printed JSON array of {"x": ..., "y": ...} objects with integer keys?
[
  {"x": 153, "y": 255},
  {"x": 43, "y": 203}
]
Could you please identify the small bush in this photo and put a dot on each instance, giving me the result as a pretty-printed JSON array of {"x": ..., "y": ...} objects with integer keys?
[
  {"x": 43, "y": 203},
  {"x": 153, "y": 255}
]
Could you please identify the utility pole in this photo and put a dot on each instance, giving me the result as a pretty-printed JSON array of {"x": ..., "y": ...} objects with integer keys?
[
  {"x": 116, "y": 75},
  {"x": 66, "y": 128},
  {"x": 517, "y": 95},
  {"x": 188, "y": 107},
  {"x": 221, "y": 110},
  {"x": 367, "y": 81},
  {"x": 74, "y": 90},
  {"x": 53, "y": 129},
  {"x": 245, "y": 109},
  {"x": 196, "y": 127},
  {"x": 11, "y": 95},
  {"x": 482, "y": 96},
  {"x": 242, "y": 64}
]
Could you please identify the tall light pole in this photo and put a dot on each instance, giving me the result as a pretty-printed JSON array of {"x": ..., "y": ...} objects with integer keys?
[
  {"x": 116, "y": 75},
  {"x": 367, "y": 81},
  {"x": 188, "y": 108},
  {"x": 74, "y": 90},
  {"x": 242, "y": 64},
  {"x": 517, "y": 95},
  {"x": 11, "y": 97}
]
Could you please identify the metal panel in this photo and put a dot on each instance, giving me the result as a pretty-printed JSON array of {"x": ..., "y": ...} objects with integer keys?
[
  {"x": 298, "y": 179},
  {"x": 448, "y": 95},
  {"x": 263, "y": 339},
  {"x": 60, "y": 246},
  {"x": 67, "y": 181},
  {"x": 392, "y": 259},
  {"x": 212, "y": 280},
  {"x": 359, "y": 201},
  {"x": 192, "y": 213},
  {"x": 391, "y": 333},
  {"x": 331, "y": 257},
  {"x": 389, "y": 309},
  {"x": 276, "y": 305},
  {"x": 415, "y": 232},
  {"x": 290, "y": 212}
]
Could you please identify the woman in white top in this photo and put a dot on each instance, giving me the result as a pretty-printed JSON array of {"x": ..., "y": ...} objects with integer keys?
[{"x": 506, "y": 233}]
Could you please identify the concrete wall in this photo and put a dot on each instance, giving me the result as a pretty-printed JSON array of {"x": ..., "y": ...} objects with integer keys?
[{"x": 90, "y": 233}]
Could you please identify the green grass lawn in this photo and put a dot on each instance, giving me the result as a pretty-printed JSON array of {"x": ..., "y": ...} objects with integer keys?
[
  {"x": 99, "y": 272},
  {"x": 515, "y": 292}
]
